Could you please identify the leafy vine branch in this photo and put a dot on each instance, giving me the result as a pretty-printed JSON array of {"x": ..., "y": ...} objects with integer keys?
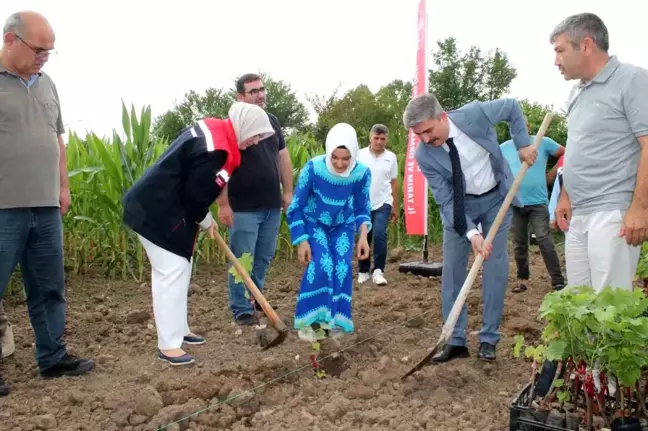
[{"x": 597, "y": 345}]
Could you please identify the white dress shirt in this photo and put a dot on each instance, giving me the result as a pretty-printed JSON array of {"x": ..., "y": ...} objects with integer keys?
[{"x": 475, "y": 164}]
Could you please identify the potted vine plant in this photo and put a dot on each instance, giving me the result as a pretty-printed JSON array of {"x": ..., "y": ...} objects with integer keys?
[{"x": 593, "y": 351}]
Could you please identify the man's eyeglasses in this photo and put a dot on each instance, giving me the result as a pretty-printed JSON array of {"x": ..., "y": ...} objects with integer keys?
[
  {"x": 40, "y": 52},
  {"x": 256, "y": 91}
]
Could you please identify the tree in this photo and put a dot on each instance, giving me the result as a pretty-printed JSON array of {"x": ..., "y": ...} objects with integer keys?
[
  {"x": 458, "y": 78},
  {"x": 535, "y": 113},
  {"x": 362, "y": 108},
  {"x": 213, "y": 103},
  {"x": 281, "y": 101}
]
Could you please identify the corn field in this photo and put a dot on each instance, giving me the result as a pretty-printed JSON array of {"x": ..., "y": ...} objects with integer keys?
[{"x": 101, "y": 170}]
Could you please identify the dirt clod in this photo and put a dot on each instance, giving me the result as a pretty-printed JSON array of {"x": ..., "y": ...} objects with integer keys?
[{"x": 138, "y": 317}]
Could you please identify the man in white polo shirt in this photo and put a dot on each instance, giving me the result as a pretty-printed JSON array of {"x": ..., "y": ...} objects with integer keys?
[
  {"x": 384, "y": 201},
  {"x": 603, "y": 205}
]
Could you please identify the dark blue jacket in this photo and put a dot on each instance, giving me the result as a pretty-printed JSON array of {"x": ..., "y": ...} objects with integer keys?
[{"x": 173, "y": 196}]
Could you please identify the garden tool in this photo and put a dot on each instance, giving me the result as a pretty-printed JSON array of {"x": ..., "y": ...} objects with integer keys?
[
  {"x": 275, "y": 321},
  {"x": 448, "y": 327}
]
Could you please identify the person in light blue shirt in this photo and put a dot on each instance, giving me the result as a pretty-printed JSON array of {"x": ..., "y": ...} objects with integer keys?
[{"x": 534, "y": 212}]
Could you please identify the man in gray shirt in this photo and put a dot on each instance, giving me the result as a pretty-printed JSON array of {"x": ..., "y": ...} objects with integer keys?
[
  {"x": 603, "y": 207},
  {"x": 34, "y": 191}
]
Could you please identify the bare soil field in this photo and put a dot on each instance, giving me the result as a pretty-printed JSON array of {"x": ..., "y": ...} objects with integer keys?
[{"x": 111, "y": 322}]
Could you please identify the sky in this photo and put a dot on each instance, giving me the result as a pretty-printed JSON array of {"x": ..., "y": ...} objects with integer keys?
[{"x": 152, "y": 52}]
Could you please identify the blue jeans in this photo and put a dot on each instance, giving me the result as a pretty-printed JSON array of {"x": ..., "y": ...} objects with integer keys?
[
  {"x": 255, "y": 233},
  {"x": 33, "y": 237},
  {"x": 377, "y": 234},
  {"x": 456, "y": 251}
]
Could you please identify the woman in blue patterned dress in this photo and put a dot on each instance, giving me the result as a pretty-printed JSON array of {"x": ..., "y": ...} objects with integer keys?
[{"x": 330, "y": 202}]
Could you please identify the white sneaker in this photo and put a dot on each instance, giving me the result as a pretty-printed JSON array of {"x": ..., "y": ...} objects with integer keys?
[
  {"x": 363, "y": 276},
  {"x": 378, "y": 278}
]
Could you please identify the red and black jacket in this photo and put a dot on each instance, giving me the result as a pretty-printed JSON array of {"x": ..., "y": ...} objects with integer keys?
[{"x": 166, "y": 204}]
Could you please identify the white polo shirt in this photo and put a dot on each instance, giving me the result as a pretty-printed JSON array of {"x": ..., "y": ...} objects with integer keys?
[{"x": 384, "y": 169}]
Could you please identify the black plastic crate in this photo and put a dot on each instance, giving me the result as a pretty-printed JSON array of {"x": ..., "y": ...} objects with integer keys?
[{"x": 523, "y": 418}]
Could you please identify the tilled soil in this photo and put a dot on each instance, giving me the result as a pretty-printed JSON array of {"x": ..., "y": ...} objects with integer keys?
[{"x": 111, "y": 322}]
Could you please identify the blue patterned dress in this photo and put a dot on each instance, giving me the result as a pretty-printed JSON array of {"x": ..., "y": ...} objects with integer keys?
[{"x": 325, "y": 211}]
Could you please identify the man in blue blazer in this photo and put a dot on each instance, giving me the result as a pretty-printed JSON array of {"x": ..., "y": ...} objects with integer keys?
[{"x": 469, "y": 179}]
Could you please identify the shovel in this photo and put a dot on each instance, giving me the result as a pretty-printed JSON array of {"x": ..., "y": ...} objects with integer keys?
[
  {"x": 448, "y": 327},
  {"x": 275, "y": 321}
]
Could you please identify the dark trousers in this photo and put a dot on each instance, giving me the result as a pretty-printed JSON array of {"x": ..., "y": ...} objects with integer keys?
[
  {"x": 33, "y": 237},
  {"x": 537, "y": 218},
  {"x": 377, "y": 235}
]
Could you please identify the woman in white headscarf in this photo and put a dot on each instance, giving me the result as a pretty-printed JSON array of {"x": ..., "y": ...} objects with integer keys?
[
  {"x": 170, "y": 203},
  {"x": 330, "y": 203}
]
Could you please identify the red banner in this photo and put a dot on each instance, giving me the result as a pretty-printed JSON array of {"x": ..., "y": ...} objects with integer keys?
[{"x": 415, "y": 193}]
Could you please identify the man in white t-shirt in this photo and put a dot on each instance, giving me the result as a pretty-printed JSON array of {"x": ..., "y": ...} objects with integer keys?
[{"x": 384, "y": 201}]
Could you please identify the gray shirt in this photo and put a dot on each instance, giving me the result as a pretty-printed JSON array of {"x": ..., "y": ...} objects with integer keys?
[
  {"x": 604, "y": 119},
  {"x": 30, "y": 123}
]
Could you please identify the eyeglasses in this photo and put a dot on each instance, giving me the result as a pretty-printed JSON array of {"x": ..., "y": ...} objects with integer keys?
[
  {"x": 255, "y": 92},
  {"x": 40, "y": 52}
]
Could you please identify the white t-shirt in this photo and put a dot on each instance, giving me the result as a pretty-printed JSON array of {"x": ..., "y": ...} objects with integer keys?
[{"x": 384, "y": 169}]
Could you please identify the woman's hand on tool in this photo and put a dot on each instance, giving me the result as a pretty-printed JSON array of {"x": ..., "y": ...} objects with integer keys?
[
  {"x": 479, "y": 247},
  {"x": 304, "y": 253},
  {"x": 213, "y": 228}
]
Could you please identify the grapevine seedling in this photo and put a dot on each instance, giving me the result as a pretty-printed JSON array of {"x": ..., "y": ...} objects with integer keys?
[
  {"x": 593, "y": 333},
  {"x": 246, "y": 260},
  {"x": 320, "y": 333}
]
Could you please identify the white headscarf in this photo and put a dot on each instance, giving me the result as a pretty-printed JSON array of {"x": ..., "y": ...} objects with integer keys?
[
  {"x": 341, "y": 135},
  {"x": 249, "y": 120}
]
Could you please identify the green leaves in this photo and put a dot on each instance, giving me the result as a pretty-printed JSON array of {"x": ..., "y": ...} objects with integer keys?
[
  {"x": 604, "y": 328},
  {"x": 556, "y": 350},
  {"x": 246, "y": 260},
  {"x": 519, "y": 342},
  {"x": 642, "y": 267}
]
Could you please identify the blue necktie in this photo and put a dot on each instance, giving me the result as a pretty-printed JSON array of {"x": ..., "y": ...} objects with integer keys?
[{"x": 459, "y": 210}]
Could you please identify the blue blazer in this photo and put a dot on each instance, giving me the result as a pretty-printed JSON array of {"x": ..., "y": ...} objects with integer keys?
[{"x": 477, "y": 120}]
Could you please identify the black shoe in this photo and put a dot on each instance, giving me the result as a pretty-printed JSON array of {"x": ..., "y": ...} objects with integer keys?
[
  {"x": 451, "y": 352},
  {"x": 247, "y": 320},
  {"x": 486, "y": 352},
  {"x": 558, "y": 287},
  {"x": 69, "y": 365},
  {"x": 4, "y": 388}
]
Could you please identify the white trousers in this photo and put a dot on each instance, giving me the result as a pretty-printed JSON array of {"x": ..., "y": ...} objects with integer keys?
[
  {"x": 596, "y": 255},
  {"x": 170, "y": 277}
]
